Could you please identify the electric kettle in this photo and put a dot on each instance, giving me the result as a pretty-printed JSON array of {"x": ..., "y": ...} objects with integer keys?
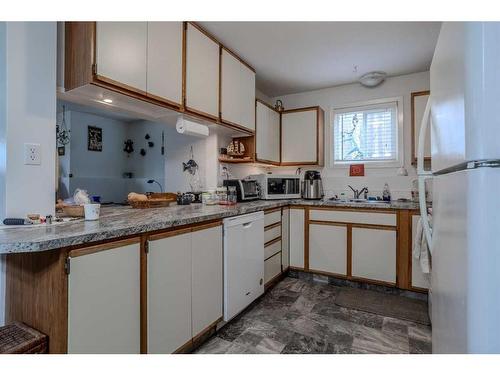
[{"x": 312, "y": 186}]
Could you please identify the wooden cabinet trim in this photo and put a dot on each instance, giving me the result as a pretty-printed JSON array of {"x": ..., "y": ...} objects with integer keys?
[
  {"x": 413, "y": 125},
  {"x": 143, "y": 277},
  {"x": 306, "y": 239},
  {"x": 102, "y": 247},
  {"x": 228, "y": 50},
  {"x": 176, "y": 231},
  {"x": 271, "y": 226},
  {"x": 266, "y": 104},
  {"x": 270, "y": 210},
  {"x": 272, "y": 242}
]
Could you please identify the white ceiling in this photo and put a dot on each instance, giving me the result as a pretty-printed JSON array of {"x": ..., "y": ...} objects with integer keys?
[{"x": 292, "y": 57}]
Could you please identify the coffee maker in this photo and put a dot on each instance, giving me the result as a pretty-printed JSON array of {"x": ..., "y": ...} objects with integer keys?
[{"x": 312, "y": 186}]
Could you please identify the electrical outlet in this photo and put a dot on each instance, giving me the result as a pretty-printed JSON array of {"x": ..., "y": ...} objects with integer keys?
[{"x": 32, "y": 154}]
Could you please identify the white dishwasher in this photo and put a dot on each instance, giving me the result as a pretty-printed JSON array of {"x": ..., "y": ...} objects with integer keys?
[{"x": 243, "y": 262}]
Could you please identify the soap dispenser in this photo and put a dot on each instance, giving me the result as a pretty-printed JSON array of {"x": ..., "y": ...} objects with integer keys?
[{"x": 386, "y": 194}]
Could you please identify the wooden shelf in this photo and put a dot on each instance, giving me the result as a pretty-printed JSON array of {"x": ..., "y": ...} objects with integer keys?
[{"x": 223, "y": 159}]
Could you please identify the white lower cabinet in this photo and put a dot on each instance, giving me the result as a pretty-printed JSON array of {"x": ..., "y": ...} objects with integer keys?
[
  {"x": 184, "y": 287},
  {"x": 418, "y": 278},
  {"x": 285, "y": 239},
  {"x": 206, "y": 278},
  {"x": 169, "y": 293},
  {"x": 328, "y": 248},
  {"x": 297, "y": 237},
  {"x": 104, "y": 300},
  {"x": 374, "y": 254}
]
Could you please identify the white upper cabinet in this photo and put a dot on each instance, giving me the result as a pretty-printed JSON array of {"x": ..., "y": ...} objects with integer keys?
[
  {"x": 267, "y": 133},
  {"x": 202, "y": 72},
  {"x": 164, "y": 61},
  {"x": 237, "y": 92},
  {"x": 302, "y": 136},
  {"x": 121, "y": 50}
]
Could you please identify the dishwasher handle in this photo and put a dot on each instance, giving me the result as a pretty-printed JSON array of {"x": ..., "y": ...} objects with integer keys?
[{"x": 247, "y": 225}]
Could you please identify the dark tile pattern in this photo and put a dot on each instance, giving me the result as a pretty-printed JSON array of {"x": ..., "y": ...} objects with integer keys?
[{"x": 299, "y": 316}]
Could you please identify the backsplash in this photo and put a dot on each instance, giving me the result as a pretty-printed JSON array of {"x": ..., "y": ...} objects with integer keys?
[{"x": 400, "y": 186}]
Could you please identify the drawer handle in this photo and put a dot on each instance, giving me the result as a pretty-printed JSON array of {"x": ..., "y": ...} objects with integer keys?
[{"x": 247, "y": 225}]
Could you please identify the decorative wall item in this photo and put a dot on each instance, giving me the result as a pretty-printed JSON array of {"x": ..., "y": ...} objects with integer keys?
[
  {"x": 357, "y": 170},
  {"x": 61, "y": 150},
  {"x": 279, "y": 106},
  {"x": 191, "y": 166},
  {"x": 62, "y": 132},
  {"x": 143, "y": 152},
  {"x": 94, "y": 138},
  {"x": 236, "y": 148},
  {"x": 129, "y": 146}
]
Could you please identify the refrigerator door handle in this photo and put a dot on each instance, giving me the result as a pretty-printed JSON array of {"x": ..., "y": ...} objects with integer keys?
[{"x": 424, "y": 175}]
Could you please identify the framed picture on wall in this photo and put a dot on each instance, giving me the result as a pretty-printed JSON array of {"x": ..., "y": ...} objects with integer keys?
[{"x": 94, "y": 138}]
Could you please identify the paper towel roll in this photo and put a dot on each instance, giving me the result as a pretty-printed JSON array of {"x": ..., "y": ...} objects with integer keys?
[{"x": 187, "y": 127}]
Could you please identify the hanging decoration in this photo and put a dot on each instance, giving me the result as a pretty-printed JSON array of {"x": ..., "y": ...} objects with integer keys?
[{"x": 62, "y": 132}]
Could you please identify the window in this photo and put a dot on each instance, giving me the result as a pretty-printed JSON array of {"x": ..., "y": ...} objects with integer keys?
[{"x": 367, "y": 134}]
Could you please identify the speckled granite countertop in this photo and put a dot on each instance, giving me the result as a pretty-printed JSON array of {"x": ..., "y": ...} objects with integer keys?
[{"x": 118, "y": 222}]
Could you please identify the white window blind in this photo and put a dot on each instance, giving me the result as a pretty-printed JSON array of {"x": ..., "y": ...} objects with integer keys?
[{"x": 366, "y": 134}]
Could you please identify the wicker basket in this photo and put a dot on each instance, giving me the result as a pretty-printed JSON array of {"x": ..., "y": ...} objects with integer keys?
[
  {"x": 18, "y": 338},
  {"x": 73, "y": 211},
  {"x": 155, "y": 200}
]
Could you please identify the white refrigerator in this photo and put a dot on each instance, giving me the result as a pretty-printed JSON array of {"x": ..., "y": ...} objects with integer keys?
[{"x": 464, "y": 108}]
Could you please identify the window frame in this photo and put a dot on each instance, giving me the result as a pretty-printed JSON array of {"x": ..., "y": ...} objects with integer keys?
[{"x": 399, "y": 162}]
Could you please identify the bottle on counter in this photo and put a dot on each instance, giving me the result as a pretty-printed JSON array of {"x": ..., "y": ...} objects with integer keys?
[
  {"x": 221, "y": 193},
  {"x": 386, "y": 194}
]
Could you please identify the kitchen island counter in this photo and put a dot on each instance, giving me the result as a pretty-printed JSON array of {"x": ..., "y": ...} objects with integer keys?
[{"x": 123, "y": 221}]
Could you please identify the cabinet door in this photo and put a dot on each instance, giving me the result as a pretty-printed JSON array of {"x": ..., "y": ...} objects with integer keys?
[
  {"x": 206, "y": 277},
  {"x": 230, "y": 88},
  {"x": 285, "y": 240},
  {"x": 169, "y": 293},
  {"x": 121, "y": 50},
  {"x": 272, "y": 267},
  {"x": 328, "y": 248},
  {"x": 299, "y": 136},
  {"x": 104, "y": 301},
  {"x": 247, "y": 97},
  {"x": 267, "y": 134},
  {"x": 418, "y": 278},
  {"x": 374, "y": 254},
  {"x": 164, "y": 61},
  {"x": 297, "y": 238},
  {"x": 237, "y": 92},
  {"x": 202, "y": 73}
]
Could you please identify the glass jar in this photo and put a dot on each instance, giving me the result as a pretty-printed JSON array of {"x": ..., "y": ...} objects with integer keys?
[
  {"x": 232, "y": 197},
  {"x": 209, "y": 197}
]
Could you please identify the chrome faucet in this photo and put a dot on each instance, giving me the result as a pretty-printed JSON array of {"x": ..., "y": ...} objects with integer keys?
[{"x": 357, "y": 193}]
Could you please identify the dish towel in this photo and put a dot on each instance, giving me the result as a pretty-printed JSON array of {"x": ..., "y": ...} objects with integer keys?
[{"x": 420, "y": 247}]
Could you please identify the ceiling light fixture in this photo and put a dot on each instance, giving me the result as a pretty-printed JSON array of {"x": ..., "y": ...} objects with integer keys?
[
  {"x": 372, "y": 79},
  {"x": 109, "y": 101}
]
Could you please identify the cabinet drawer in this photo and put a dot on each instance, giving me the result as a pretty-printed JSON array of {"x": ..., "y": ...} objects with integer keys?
[
  {"x": 376, "y": 218},
  {"x": 272, "y": 268},
  {"x": 272, "y": 233},
  {"x": 272, "y": 218},
  {"x": 272, "y": 249}
]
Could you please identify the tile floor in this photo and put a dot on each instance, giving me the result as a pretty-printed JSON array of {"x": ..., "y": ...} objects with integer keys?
[{"x": 300, "y": 316}]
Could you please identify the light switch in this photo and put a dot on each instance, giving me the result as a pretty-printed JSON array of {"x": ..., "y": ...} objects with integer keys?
[{"x": 32, "y": 154}]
